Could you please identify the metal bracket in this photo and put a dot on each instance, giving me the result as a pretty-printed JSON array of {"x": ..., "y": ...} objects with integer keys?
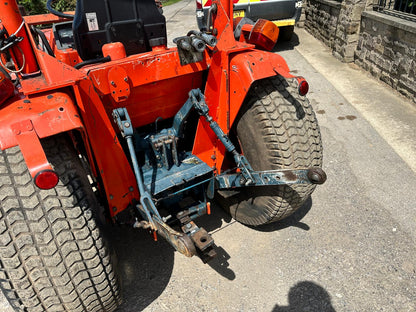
[
  {"x": 273, "y": 177},
  {"x": 164, "y": 145},
  {"x": 122, "y": 119},
  {"x": 31, "y": 147},
  {"x": 247, "y": 175},
  {"x": 202, "y": 240},
  {"x": 180, "y": 241},
  {"x": 198, "y": 101}
]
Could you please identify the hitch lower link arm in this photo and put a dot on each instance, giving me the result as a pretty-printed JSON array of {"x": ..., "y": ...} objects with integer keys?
[
  {"x": 180, "y": 241},
  {"x": 123, "y": 121},
  {"x": 197, "y": 99},
  {"x": 248, "y": 176}
]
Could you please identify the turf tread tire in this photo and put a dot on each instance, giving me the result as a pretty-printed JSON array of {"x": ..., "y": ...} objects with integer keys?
[
  {"x": 276, "y": 129},
  {"x": 53, "y": 256}
]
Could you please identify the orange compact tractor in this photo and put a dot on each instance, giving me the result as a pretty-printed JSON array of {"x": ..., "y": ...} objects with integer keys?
[{"x": 101, "y": 122}]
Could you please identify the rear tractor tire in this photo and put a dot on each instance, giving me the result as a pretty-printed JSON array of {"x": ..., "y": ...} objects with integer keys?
[
  {"x": 276, "y": 129},
  {"x": 53, "y": 256}
]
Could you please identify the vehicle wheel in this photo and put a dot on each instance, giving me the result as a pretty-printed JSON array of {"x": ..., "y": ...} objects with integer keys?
[
  {"x": 286, "y": 33},
  {"x": 276, "y": 129},
  {"x": 53, "y": 256}
]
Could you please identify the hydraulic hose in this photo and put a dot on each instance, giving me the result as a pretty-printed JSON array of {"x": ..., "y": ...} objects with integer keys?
[
  {"x": 44, "y": 40},
  {"x": 57, "y": 13},
  {"x": 89, "y": 62}
]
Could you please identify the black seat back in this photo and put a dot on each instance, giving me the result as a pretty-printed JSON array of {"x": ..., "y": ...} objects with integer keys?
[{"x": 137, "y": 24}]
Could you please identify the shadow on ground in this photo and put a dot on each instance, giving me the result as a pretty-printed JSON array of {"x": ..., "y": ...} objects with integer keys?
[
  {"x": 293, "y": 220},
  {"x": 145, "y": 266},
  {"x": 286, "y": 45},
  {"x": 307, "y": 296}
]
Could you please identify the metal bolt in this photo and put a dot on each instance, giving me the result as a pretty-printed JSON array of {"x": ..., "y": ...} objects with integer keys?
[
  {"x": 188, "y": 226},
  {"x": 131, "y": 189},
  {"x": 127, "y": 125},
  {"x": 111, "y": 196},
  {"x": 113, "y": 83},
  {"x": 126, "y": 79},
  {"x": 114, "y": 209}
]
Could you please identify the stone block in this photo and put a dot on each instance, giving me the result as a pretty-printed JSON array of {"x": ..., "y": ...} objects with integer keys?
[
  {"x": 352, "y": 28},
  {"x": 379, "y": 48},
  {"x": 375, "y": 71},
  {"x": 404, "y": 65},
  {"x": 385, "y": 77}
]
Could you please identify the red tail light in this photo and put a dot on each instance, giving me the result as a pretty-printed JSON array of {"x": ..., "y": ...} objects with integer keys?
[
  {"x": 264, "y": 35},
  {"x": 303, "y": 87},
  {"x": 46, "y": 179}
]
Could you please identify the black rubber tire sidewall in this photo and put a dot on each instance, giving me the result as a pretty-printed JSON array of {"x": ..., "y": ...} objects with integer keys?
[
  {"x": 276, "y": 129},
  {"x": 53, "y": 254}
]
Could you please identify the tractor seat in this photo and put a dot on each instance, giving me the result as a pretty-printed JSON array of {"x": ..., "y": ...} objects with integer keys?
[{"x": 137, "y": 24}]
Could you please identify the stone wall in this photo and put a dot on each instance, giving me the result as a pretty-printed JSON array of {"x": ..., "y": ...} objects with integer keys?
[
  {"x": 321, "y": 19},
  {"x": 336, "y": 23},
  {"x": 387, "y": 49},
  {"x": 348, "y": 29},
  {"x": 382, "y": 44}
]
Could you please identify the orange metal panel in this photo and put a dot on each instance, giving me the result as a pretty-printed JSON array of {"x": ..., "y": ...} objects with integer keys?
[
  {"x": 114, "y": 167},
  {"x": 49, "y": 113},
  {"x": 248, "y": 67},
  {"x": 55, "y": 75},
  {"x": 30, "y": 146},
  {"x": 158, "y": 84},
  {"x": 46, "y": 18}
]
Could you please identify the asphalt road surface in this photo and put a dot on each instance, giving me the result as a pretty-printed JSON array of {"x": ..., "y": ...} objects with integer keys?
[{"x": 350, "y": 248}]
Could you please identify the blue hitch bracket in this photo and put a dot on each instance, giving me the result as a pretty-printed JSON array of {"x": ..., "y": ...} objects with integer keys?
[
  {"x": 123, "y": 121},
  {"x": 180, "y": 241}
]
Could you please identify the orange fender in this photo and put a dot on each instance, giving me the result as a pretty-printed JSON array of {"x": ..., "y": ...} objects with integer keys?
[
  {"x": 24, "y": 121},
  {"x": 230, "y": 79},
  {"x": 245, "y": 68}
]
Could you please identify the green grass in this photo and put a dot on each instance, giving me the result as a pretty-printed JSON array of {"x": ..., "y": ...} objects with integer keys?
[{"x": 169, "y": 2}]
